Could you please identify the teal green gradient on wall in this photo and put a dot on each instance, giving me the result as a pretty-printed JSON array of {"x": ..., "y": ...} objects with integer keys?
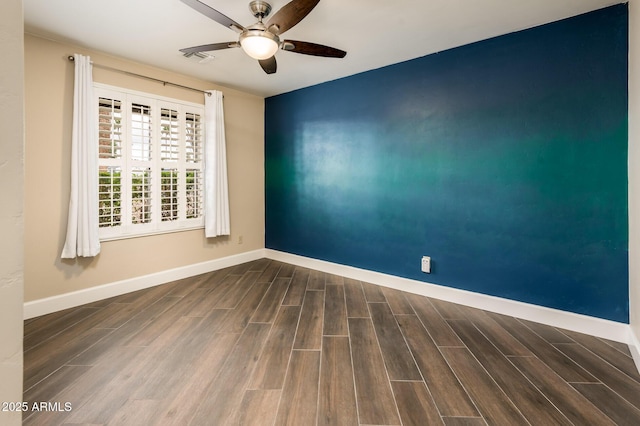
[{"x": 504, "y": 160}]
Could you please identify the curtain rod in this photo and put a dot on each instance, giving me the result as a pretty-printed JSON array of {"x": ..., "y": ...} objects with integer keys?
[{"x": 164, "y": 83}]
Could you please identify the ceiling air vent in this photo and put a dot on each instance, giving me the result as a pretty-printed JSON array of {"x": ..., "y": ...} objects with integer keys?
[{"x": 200, "y": 57}]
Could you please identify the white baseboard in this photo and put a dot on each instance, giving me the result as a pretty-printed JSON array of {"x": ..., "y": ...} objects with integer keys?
[
  {"x": 611, "y": 330},
  {"x": 598, "y": 327},
  {"x": 634, "y": 346},
  {"x": 48, "y": 305}
]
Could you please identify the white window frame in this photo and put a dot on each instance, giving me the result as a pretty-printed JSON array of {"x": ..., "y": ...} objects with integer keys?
[{"x": 127, "y": 163}]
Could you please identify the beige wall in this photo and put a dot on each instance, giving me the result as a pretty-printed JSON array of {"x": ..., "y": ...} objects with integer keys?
[
  {"x": 48, "y": 103},
  {"x": 634, "y": 167},
  {"x": 11, "y": 214}
]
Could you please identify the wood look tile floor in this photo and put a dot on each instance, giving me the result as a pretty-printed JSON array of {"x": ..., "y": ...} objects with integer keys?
[{"x": 268, "y": 343}]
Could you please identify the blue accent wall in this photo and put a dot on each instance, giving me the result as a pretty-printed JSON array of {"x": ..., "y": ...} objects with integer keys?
[{"x": 504, "y": 160}]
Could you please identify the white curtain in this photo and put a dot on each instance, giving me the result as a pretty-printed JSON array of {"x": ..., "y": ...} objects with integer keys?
[
  {"x": 82, "y": 225},
  {"x": 216, "y": 192}
]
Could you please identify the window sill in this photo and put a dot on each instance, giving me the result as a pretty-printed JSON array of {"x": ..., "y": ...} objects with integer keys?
[{"x": 150, "y": 233}]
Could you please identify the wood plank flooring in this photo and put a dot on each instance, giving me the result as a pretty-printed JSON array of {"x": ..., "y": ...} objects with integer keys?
[{"x": 268, "y": 343}]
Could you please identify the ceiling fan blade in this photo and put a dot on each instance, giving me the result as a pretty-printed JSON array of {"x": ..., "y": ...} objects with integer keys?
[
  {"x": 290, "y": 14},
  {"x": 269, "y": 65},
  {"x": 314, "y": 49},
  {"x": 210, "y": 12},
  {"x": 209, "y": 47}
]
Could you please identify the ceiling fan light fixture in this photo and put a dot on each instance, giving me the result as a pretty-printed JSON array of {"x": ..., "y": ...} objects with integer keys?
[
  {"x": 259, "y": 44},
  {"x": 261, "y": 41}
]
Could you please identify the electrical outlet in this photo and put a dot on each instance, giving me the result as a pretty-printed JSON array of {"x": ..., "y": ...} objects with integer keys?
[{"x": 426, "y": 264}]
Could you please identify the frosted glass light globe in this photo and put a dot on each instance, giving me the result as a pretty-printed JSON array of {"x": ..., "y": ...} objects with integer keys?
[{"x": 259, "y": 44}]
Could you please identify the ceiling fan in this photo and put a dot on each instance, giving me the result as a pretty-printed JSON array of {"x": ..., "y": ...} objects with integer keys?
[{"x": 261, "y": 41}]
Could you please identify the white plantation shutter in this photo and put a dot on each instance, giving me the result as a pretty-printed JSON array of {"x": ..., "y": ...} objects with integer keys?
[
  {"x": 195, "y": 205},
  {"x": 170, "y": 158},
  {"x": 140, "y": 163},
  {"x": 194, "y": 139},
  {"x": 109, "y": 196},
  {"x": 169, "y": 139},
  {"x": 141, "y": 198},
  {"x": 109, "y": 128},
  {"x": 141, "y": 142},
  {"x": 150, "y": 164},
  {"x": 169, "y": 194},
  {"x": 110, "y": 162}
]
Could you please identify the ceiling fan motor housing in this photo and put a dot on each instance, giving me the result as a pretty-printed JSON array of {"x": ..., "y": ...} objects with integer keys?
[{"x": 260, "y": 9}]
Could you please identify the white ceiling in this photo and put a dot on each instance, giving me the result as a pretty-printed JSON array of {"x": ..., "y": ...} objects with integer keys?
[{"x": 375, "y": 33}]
